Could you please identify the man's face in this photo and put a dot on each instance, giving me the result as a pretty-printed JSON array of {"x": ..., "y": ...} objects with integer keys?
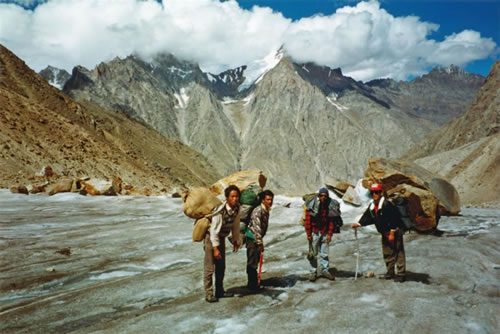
[
  {"x": 268, "y": 201},
  {"x": 376, "y": 195},
  {"x": 233, "y": 198},
  {"x": 322, "y": 197}
]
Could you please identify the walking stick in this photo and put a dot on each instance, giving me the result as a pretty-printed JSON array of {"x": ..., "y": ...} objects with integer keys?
[
  {"x": 357, "y": 253},
  {"x": 259, "y": 276}
]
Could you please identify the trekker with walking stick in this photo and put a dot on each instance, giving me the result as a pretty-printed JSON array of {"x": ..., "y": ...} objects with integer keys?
[
  {"x": 322, "y": 219},
  {"x": 386, "y": 218},
  {"x": 255, "y": 232}
]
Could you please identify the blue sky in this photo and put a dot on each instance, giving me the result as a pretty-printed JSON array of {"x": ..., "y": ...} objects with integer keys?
[{"x": 366, "y": 39}]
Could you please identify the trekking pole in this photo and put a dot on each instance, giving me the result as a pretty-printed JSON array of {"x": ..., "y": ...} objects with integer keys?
[
  {"x": 259, "y": 276},
  {"x": 357, "y": 253}
]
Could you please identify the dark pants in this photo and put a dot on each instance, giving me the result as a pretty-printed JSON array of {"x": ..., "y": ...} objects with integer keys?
[
  {"x": 394, "y": 253},
  {"x": 253, "y": 257},
  {"x": 211, "y": 266}
]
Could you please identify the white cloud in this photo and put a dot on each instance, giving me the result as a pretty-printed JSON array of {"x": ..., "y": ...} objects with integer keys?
[{"x": 364, "y": 40}]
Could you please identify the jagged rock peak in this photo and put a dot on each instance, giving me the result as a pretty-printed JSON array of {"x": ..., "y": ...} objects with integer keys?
[
  {"x": 231, "y": 75},
  {"x": 55, "y": 76},
  {"x": 451, "y": 72}
]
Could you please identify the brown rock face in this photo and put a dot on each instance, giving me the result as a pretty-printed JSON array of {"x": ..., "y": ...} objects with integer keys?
[
  {"x": 422, "y": 206},
  {"x": 428, "y": 196},
  {"x": 40, "y": 127},
  {"x": 392, "y": 173}
]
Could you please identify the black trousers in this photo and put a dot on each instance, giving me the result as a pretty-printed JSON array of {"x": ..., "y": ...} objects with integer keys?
[{"x": 253, "y": 257}]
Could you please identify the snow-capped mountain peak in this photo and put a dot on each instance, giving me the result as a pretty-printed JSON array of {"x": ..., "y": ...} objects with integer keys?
[{"x": 258, "y": 68}]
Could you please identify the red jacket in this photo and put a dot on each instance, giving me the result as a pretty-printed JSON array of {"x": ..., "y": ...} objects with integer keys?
[{"x": 321, "y": 224}]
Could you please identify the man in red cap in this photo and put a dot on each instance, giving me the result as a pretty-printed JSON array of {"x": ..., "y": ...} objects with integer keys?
[{"x": 387, "y": 220}]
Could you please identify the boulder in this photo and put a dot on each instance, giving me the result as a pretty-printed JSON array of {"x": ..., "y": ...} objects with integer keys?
[
  {"x": 339, "y": 187},
  {"x": 19, "y": 189},
  {"x": 351, "y": 197},
  {"x": 38, "y": 188},
  {"x": 61, "y": 186},
  {"x": 422, "y": 206},
  {"x": 199, "y": 202},
  {"x": 47, "y": 172},
  {"x": 392, "y": 173},
  {"x": 241, "y": 179},
  {"x": 96, "y": 187}
]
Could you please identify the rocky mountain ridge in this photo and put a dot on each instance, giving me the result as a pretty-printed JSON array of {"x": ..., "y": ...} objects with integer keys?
[
  {"x": 467, "y": 150},
  {"x": 41, "y": 126},
  {"x": 190, "y": 108}
]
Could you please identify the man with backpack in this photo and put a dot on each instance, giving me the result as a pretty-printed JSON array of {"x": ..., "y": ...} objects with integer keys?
[
  {"x": 255, "y": 232},
  {"x": 387, "y": 220},
  {"x": 322, "y": 218},
  {"x": 225, "y": 220}
]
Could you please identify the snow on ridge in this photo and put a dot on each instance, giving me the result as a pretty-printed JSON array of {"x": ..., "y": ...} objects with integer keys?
[
  {"x": 182, "y": 73},
  {"x": 256, "y": 70},
  {"x": 211, "y": 77},
  {"x": 248, "y": 99}
]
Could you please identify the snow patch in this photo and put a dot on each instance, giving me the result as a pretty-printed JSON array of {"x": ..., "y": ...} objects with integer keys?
[
  {"x": 336, "y": 105},
  {"x": 212, "y": 78},
  {"x": 248, "y": 99},
  {"x": 178, "y": 71},
  {"x": 256, "y": 70},
  {"x": 114, "y": 274},
  {"x": 228, "y": 100},
  {"x": 182, "y": 98}
]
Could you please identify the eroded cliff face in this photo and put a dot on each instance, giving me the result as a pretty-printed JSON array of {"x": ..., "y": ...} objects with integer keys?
[{"x": 300, "y": 124}]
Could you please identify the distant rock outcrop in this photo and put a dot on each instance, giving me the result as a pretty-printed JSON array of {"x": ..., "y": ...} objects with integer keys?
[{"x": 55, "y": 76}]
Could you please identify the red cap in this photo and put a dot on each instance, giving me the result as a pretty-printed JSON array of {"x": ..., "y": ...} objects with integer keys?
[{"x": 376, "y": 187}]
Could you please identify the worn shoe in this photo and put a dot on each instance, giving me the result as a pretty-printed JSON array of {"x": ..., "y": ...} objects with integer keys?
[
  {"x": 211, "y": 299},
  {"x": 399, "y": 278},
  {"x": 224, "y": 295},
  {"x": 327, "y": 275},
  {"x": 313, "y": 277},
  {"x": 388, "y": 275}
]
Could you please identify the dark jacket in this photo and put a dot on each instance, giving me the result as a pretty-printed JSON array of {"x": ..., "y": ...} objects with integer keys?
[{"x": 386, "y": 218}]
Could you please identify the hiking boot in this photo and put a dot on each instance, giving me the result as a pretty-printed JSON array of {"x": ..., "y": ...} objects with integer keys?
[
  {"x": 211, "y": 299},
  {"x": 254, "y": 289},
  {"x": 327, "y": 275},
  {"x": 399, "y": 278},
  {"x": 313, "y": 277},
  {"x": 387, "y": 275},
  {"x": 224, "y": 295}
]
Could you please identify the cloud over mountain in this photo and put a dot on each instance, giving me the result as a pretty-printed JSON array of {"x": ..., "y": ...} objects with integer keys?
[{"x": 364, "y": 40}]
